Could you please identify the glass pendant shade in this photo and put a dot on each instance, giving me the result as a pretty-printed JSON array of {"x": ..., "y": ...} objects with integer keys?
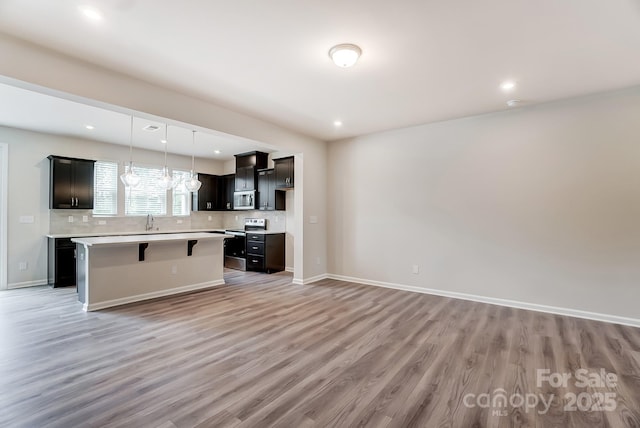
[
  {"x": 129, "y": 178},
  {"x": 166, "y": 181},
  {"x": 193, "y": 184}
]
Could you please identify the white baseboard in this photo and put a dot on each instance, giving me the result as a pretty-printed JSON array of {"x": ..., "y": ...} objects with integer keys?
[
  {"x": 152, "y": 295},
  {"x": 25, "y": 284},
  {"x": 494, "y": 301},
  {"x": 305, "y": 281},
  {"x": 288, "y": 269}
]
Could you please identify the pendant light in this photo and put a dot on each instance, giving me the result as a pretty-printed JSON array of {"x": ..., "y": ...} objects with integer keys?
[
  {"x": 193, "y": 184},
  {"x": 129, "y": 177},
  {"x": 166, "y": 181}
]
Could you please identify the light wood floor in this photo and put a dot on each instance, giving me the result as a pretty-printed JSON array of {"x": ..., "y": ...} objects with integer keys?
[{"x": 260, "y": 351}]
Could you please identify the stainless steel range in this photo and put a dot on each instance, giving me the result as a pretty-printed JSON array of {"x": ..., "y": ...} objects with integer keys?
[{"x": 235, "y": 248}]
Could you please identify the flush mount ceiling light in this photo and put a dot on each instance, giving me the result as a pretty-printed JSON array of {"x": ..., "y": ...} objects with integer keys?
[
  {"x": 508, "y": 85},
  {"x": 90, "y": 127},
  {"x": 337, "y": 123},
  {"x": 513, "y": 103},
  {"x": 193, "y": 184},
  {"x": 217, "y": 152},
  {"x": 91, "y": 13},
  {"x": 345, "y": 55},
  {"x": 129, "y": 177}
]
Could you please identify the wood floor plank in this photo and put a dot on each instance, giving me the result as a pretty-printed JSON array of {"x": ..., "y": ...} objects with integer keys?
[{"x": 261, "y": 351}]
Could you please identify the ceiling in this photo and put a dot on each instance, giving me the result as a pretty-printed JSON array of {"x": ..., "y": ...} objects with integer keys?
[
  {"x": 422, "y": 60},
  {"x": 25, "y": 109}
]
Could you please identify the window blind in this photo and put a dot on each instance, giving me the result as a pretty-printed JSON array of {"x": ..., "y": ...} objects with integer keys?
[
  {"x": 147, "y": 197},
  {"x": 105, "y": 194},
  {"x": 181, "y": 196}
]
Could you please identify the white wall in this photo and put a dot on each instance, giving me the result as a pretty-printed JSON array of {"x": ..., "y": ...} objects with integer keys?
[
  {"x": 4, "y": 176},
  {"x": 538, "y": 205},
  {"x": 28, "y": 193},
  {"x": 85, "y": 82}
]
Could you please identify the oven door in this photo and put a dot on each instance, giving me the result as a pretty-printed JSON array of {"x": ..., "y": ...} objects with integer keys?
[{"x": 234, "y": 253}]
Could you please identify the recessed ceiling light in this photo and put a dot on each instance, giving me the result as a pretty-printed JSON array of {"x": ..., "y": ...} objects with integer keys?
[
  {"x": 90, "y": 127},
  {"x": 217, "y": 152},
  {"x": 337, "y": 123},
  {"x": 91, "y": 13},
  {"x": 163, "y": 141},
  {"x": 345, "y": 55},
  {"x": 151, "y": 128},
  {"x": 507, "y": 85},
  {"x": 513, "y": 103}
]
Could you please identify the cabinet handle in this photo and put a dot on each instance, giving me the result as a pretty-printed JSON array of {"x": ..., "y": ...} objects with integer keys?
[
  {"x": 254, "y": 261},
  {"x": 255, "y": 248},
  {"x": 76, "y": 202}
]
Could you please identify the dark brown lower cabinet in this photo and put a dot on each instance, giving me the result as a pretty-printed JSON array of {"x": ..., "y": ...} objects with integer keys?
[
  {"x": 62, "y": 262},
  {"x": 265, "y": 252}
]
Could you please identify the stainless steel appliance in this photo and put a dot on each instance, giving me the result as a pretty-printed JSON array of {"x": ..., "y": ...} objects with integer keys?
[
  {"x": 245, "y": 200},
  {"x": 235, "y": 248}
]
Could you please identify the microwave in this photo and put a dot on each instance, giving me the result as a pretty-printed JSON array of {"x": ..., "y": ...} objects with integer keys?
[{"x": 245, "y": 200}]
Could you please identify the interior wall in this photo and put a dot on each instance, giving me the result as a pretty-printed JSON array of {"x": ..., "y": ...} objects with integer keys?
[
  {"x": 28, "y": 195},
  {"x": 59, "y": 74},
  {"x": 537, "y": 205},
  {"x": 4, "y": 175}
]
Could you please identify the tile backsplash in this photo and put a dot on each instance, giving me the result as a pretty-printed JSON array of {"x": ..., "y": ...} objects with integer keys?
[{"x": 59, "y": 221}]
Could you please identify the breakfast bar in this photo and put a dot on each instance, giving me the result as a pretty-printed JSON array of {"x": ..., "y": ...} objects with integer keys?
[{"x": 116, "y": 270}]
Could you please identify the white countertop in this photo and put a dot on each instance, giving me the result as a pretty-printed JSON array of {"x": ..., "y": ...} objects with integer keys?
[
  {"x": 150, "y": 232},
  {"x": 264, "y": 232},
  {"x": 135, "y": 239}
]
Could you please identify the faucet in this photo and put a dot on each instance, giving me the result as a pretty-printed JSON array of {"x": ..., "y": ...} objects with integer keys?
[{"x": 149, "y": 225}]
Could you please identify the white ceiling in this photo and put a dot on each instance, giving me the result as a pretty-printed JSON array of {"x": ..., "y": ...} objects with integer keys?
[
  {"x": 25, "y": 109},
  {"x": 422, "y": 61}
]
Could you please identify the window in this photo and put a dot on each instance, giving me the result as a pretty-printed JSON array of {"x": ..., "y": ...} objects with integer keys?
[
  {"x": 181, "y": 196},
  {"x": 147, "y": 197},
  {"x": 105, "y": 194}
]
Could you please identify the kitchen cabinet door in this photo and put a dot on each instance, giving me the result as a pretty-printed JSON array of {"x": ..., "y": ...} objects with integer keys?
[
  {"x": 268, "y": 197},
  {"x": 245, "y": 178},
  {"x": 206, "y": 198},
  {"x": 83, "y": 184},
  {"x": 284, "y": 173},
  {"x": 70, "y": 183}
]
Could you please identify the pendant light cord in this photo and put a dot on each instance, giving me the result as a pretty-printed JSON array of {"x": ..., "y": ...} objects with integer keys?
[
  {"x": 166, "y": 127},
  {"x": 193, "y": 162},
  {"x": 131, "y": 143}
]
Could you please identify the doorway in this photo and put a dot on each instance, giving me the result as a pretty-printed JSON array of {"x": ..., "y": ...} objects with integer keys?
[{"x": 4, "y": 179}]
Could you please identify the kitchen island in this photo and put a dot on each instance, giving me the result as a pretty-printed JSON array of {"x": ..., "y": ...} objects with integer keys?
[{"x": 116, "y": 270}]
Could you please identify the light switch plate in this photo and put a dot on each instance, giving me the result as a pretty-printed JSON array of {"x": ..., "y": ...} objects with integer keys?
[
  {"x": 85, "y": 218},
  {"x": 313, "y": 219},
  {"x": 70, "y": 219}
]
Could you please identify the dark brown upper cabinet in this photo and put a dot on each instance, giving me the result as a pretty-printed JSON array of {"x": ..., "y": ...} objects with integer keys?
[
  {"x": 284, "y": 173},
  {"x": 247, "y": 166},
  {"x": 71, "y": 183},
  {"x": 207, "y": 197},
  {"x": 268, "y": 197}
]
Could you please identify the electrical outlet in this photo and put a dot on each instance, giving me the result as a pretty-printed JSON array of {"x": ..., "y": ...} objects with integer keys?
[
  {"x": 179, "y": 221},
  {"x": 85, "y": 218},
  {"x": 70, "y": 219},
  {"x": 174, "y": 269},
  {"x": 23, "y": 265},
  {"x": 415, "y": 269},
  {"x": 313, "y": 219},
  {"x": 102, "y": 222},
  {"x": 317, "y": 260},
  {"x": 209, "y": 218},
  {"x": 26, "y": 219}
]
